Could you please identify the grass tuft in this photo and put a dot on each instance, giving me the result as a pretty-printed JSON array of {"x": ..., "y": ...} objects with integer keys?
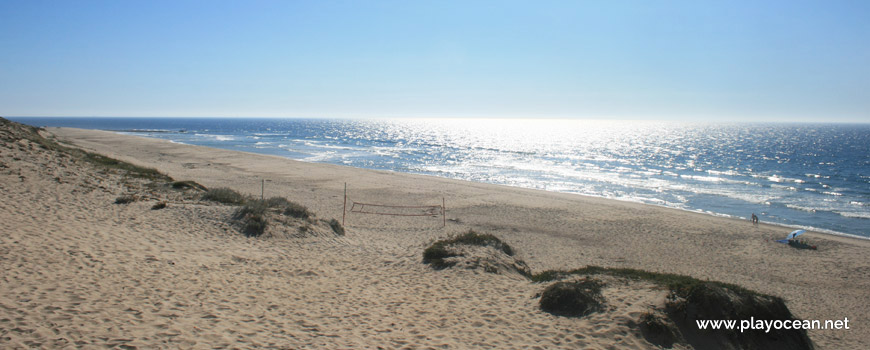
[
  {"x": 125, "y": 199},
  {"x": 224, "y": 195},
  {"x": 336, "y": 227}
]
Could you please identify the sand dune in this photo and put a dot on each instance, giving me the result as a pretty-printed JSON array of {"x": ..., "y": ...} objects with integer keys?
[{"x": 79, "y": 270}]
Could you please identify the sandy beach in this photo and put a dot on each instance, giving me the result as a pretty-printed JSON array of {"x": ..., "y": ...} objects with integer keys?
[{"x": 79, "y": 271}]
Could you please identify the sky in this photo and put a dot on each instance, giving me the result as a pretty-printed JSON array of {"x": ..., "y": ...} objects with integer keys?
[{"x": 804, "y": 61}]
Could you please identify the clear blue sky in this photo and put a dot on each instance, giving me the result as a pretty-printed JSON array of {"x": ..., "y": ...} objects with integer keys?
[{"x": 685, "y": 60}]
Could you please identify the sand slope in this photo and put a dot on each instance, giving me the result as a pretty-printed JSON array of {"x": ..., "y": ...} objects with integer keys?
[{"x": 79, "y": 270}]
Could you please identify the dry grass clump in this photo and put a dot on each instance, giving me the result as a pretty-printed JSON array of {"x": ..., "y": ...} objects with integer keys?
[{"x": 573, "y": 299}]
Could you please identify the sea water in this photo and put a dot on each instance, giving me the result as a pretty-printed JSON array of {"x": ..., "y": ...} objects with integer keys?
[{"x": 814, "y": 176}]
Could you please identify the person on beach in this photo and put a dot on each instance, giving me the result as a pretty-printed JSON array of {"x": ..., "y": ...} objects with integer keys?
[{"x": 754, "y": 219}]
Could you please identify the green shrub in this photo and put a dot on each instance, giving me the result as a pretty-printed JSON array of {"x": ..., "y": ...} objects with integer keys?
[
  {"x": 578, "y": 298},
  {"x": 224, "y": 195}
]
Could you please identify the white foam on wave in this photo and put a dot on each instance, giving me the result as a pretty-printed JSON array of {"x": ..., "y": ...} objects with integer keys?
[
  {"x": 749, "y": 197},
  {"x": 320, "y": 157},
  {"x": 727, "y": 172},
  {"x": 854, "y": 214},
  {"x": 320, "y": 144},
  {"x": 217, "y": 137},
  {"x": 782, "y": 187},
  {"x": 801, "y": 208}
]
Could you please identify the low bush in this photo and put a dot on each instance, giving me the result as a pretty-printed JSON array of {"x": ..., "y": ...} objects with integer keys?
[
  {"x": 296, "y": 210},
  {"x": 438, "y": 252},
  {"x": 253, "y": 207},
  {"x": 224, "y": 195},
  {"x": 277, "y": 202},
  {"x": 712, "y": 301},
  {"x": 254, "y": 225},
  {"x": 578, "y": 298}
]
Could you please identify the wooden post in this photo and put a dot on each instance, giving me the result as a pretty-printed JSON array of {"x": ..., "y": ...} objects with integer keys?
[
  {"x": 344, "y": 205},
  {"x": 443, "y": 213},
  {"x": 263, "y": 190}
]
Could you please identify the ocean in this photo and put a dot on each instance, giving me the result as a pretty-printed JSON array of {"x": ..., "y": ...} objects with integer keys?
[{"x": 811, "y": 176}]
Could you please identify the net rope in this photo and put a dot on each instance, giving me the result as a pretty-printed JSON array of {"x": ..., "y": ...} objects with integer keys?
[{"x": 383, "y": 209}]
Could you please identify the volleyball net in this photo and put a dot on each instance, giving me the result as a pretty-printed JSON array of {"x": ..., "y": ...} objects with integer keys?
[{"x": 393, "y": 210}]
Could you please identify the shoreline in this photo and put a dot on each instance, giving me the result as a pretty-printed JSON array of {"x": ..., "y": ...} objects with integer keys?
[{"x": 735, "y": 202}]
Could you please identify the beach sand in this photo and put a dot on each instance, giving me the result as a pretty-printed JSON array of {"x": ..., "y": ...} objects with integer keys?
[{"x": 79, "y": 270}]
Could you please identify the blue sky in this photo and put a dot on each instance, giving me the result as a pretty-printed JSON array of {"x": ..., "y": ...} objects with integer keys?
[{"x": 673, "y": 60}]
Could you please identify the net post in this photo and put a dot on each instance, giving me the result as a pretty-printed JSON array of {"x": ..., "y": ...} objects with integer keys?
[
  {"x": 443, "y": 212},
  {"x": 344, "y": 205}
]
